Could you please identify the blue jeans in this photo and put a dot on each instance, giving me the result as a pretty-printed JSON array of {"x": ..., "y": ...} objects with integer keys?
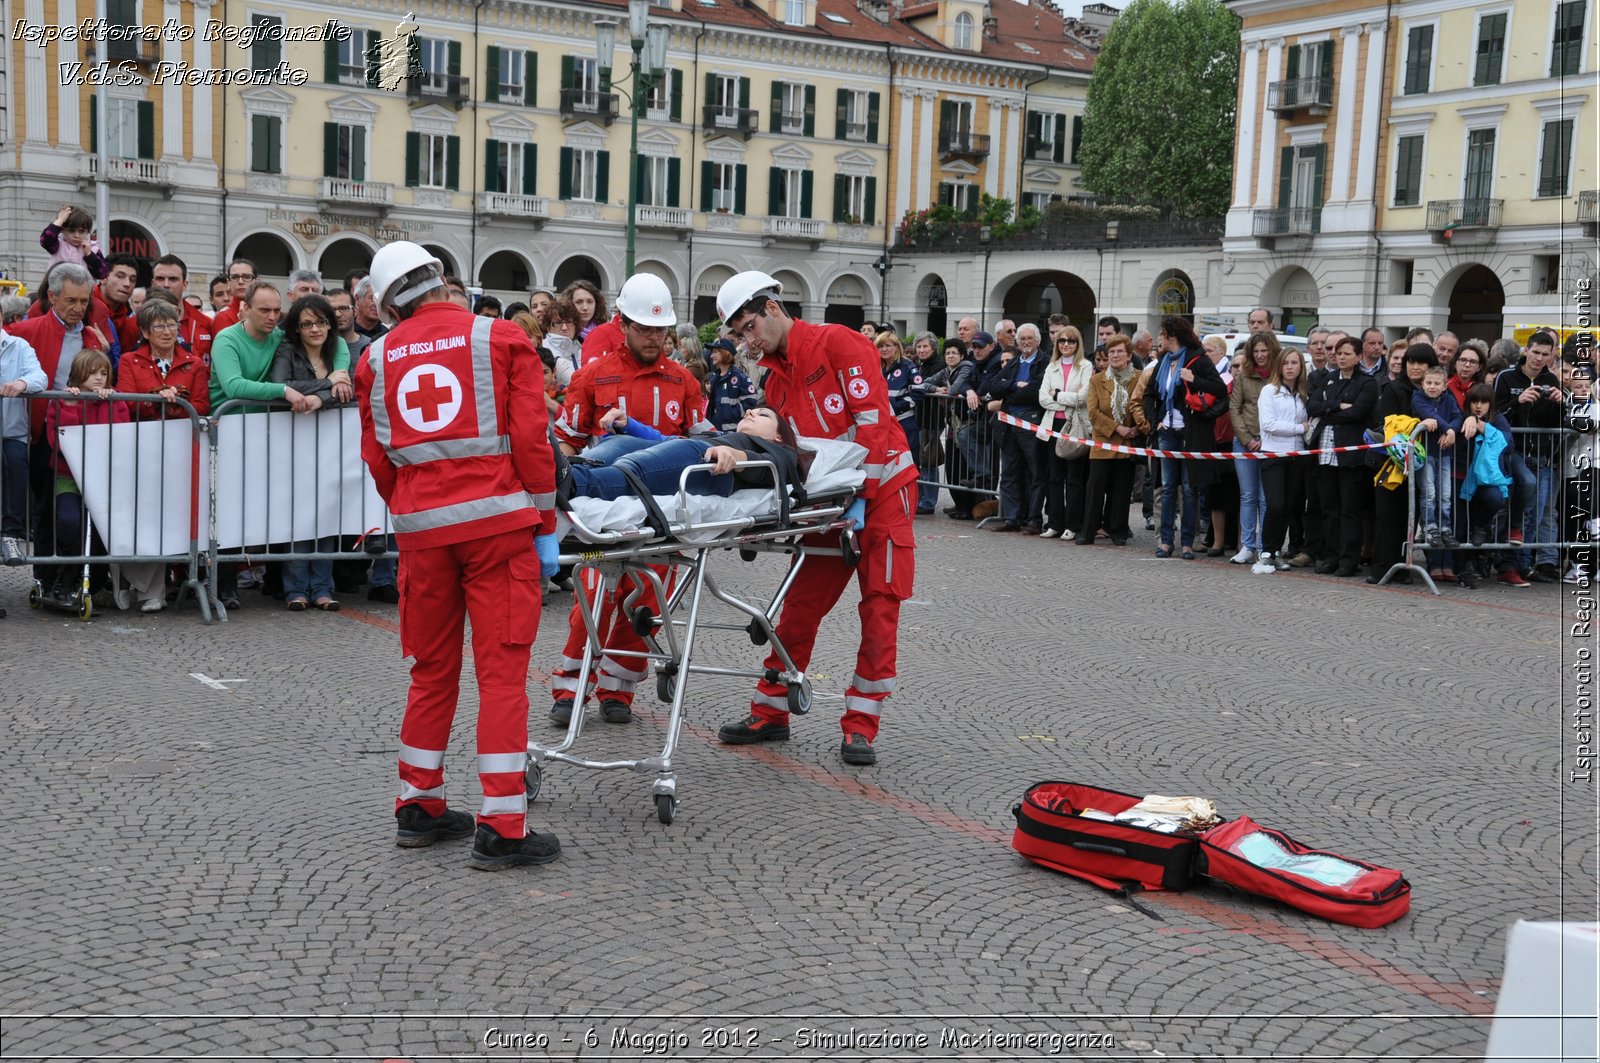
[
  {"x": 1252, "y": 505},
  {"x": 1539, "y": 524},
  {"x": 975, "y": 439},
  {"x": 659, "y": 465},
  {"x": 1435, "y": 484},
  {"x": 310, "y": 579},
  {"x": 14, "y": 487},
  {"x": 1175, "y": 473}
]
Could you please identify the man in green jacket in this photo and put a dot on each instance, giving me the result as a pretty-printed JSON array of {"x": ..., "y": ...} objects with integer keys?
[{"x": 241, "y": 355}]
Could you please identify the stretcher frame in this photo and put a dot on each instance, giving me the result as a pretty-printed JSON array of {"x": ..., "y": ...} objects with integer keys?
[{"x": 670, "y": 641}]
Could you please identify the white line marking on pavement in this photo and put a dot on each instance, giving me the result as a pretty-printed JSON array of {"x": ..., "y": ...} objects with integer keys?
[{"x": 216, "y": 684}]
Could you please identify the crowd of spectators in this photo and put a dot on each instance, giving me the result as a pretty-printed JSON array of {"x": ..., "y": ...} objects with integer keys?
[{"x": 1497, "y": 482}]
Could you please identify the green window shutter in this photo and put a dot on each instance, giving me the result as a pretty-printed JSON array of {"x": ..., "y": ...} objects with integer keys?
[
  {"x": 530, "y": 169},
  {"x": 530, "y": 78},
  {"x": 841, "y": 114},
  {"x": 744, "y": 94},
  {"x": 640, "y": 162},
  {"x": 453, "y": 58},
  {"x": 1491, "y": 50},
  {"x": 805, "y": 193},
  {"x": 706, "y": 177},
  {"x": 330, "y": 60},
  {"x": 491, "y": 167},
  {"x": 1291, "y": 69},
  {"x": 1077, "y": 135},
  {"x": 1032, "y": 123},
  {"x": 330, "y": 149},
  {"x": 565, "y": 177},
  {"x": 260, "y": 156},
  {"x": 1553, "y": 156},
  {"x": 841, "y": 197},
  {"x": 674, "y": 181},
  {"x": 491, "y": 76},
  {"x": 1316, "y": 183},
  {"x": 774, "y": 191},
  {"x": 871, "y": 204},
  {"x": 1567, "y": 48},
  {"x": 1408, "y": 172},
  {"x": 872, "y": 117},
  {"x": 413, "y": 159},
  {"x": 94, "y": 123},
  {"x": 602, "y": 177},
  {"x": 569, "y": 73},
  {"x": 413, "y": 53},
  {"x": 711, "y": 90},
  {"x": 1419, "y": 60},
  {"x": 947, "y": 119},
  {"x": 358, "y": 153},
  {"x": 1326, "y": 74},
  {"x": 374, "y": 57},
  {"x": 777, "y": 107},
  {"x": 1285, "y": 177},
  {"x": 676, "y": 103},
  {"x": 265, "y": 53},
  {"x": 947, "y": 194},
  {"x": 741, "y": 180},
  {"x": 452, "y": 163},
  {"x": 146, "y": 112},
  {"x": 1060, "y": 152},
  {"x": 810, "y": 129}
]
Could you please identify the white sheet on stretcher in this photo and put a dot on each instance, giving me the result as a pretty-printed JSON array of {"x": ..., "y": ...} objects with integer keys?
[{"x": 838, "y": 466}]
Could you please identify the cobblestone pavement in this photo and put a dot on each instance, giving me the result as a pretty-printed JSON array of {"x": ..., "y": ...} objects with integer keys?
[{"x": 200, "y": 858}]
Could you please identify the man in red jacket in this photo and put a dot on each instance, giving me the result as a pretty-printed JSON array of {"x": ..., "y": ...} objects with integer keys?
[
  {"x": 58, "y": 334},
  {"x": 636, "y": 380},
  {"x": 171, "y": 273},
  {"x": 826, "y": 380},
  {"x": 111, "y": 294},
  {"x": 453, "y": 427},
  {"x": 241, "y": 274}
]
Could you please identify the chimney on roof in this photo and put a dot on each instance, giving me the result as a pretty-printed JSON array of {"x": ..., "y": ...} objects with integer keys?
[
  {"x": 877, "y": 10},
  {"x": 991, "y": 24}
]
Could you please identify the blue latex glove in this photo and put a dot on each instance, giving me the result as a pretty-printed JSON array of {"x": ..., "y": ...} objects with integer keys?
[
  {"x": 640, "y": 430},
  {"x": 549, "y": 550},
  {"x": 857, "y": 513}
]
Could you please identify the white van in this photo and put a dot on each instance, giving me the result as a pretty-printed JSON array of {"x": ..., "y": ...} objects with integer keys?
[{"x": 1236, "y": 340}]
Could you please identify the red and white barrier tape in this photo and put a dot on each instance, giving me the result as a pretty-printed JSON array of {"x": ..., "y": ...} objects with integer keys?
[{"x": 1207, "y": 455}]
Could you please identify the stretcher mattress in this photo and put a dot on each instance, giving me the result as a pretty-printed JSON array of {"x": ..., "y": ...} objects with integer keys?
[{"x": 837, "y": 468}]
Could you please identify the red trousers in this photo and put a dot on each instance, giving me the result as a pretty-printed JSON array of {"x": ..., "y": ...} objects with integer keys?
[
  {"x": 495, "y": 581},
  {"x": 614, "y": 676},
  {"x": 885, "y": 573}
]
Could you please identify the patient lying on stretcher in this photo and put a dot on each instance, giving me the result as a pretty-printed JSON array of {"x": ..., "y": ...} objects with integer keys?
[{"x": 640, "y": 460}]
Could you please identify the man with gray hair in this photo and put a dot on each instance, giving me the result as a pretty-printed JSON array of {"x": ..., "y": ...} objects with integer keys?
[
  {"x": 1005, "y": 334},
  {"x": 304, "y": 282},
  {"x": 368, "y": 321},
  {"x": 60, "y": 334},
  {"x": 1143, "y": 344},
  {"x": 13, "y": 308},
  {"x": 1015, "y": 390},
  {"x": 1259, "y": 320},
  {"x": 1445, "y": 345},
  {"x": 1317, "y": 349}
]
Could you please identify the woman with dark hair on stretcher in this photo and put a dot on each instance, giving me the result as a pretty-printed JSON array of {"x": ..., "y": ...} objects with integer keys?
[{"x": 639, "y": 457}]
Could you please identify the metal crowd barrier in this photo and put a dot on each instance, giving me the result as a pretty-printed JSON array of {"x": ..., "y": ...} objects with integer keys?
[
  {"x": 150, "y": 518},
  {"x": 273, "y": 450}
]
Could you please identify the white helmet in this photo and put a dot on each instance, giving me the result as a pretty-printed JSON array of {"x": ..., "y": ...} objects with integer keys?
[
  {"x": 743, "y": 287},
  {"x": 392, "y": 262},
  {"x": 644, "y": 299}
]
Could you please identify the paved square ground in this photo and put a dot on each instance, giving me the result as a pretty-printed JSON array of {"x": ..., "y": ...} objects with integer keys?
[{"x": 203, "y": 869}]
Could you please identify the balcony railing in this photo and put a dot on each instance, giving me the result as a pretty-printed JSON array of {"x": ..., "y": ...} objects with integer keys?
[
  {"x": 587, "y": 103},
  {"x": 956, "y": 142},
  {"x": 792, "y": 228},
  {"x": 355, "y": 193},
  {"x": 1589, "y": 209},
  {"x": 740, "y": 120},
  {"x": 646, "y": 217},
  {"x": 1313, "y": 93},
  {"x": 967, "y": 236},
  {"x": 512, "y": 205},
  {"x": 1290, "y": 221},
  {"x": 438, "y": 88},
  {"x": 131, "y": 171},
  {"x": 1449, "y": 215}
]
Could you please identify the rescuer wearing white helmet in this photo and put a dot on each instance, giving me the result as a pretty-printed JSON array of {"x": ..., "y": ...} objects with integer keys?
[
  {"x": 827, "y": 381},
  {"x": 454, "y": 429},
  {"x": 628, "y": 387}
]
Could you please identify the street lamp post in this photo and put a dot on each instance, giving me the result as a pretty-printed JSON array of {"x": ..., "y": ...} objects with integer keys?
[{"x": 646, "y": 67}]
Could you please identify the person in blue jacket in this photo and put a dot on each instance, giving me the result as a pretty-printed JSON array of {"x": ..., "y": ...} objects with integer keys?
[
  {"x": 730, "y": 394},
  {"x": 904, "y": 379}
]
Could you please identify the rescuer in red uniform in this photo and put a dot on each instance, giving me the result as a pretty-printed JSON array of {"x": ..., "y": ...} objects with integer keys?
[
  {"x": 636, "y": 380},
  {"x": 454, "y": 429},
  {"x": 827, "y": 380}
]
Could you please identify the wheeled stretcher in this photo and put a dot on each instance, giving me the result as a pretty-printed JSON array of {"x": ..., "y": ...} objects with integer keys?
[{"x": 608, "y": 541}]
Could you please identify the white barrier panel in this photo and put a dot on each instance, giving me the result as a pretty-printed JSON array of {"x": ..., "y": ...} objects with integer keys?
[
  {"x": 135, "y": 483},
  {"x": 283, "y": 477}
]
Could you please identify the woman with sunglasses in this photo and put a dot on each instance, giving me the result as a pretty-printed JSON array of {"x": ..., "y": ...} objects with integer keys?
[{"x": 1064, "y": 394}]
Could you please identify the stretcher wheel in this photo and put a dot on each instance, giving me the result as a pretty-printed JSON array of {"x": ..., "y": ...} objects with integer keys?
[
  {"x": 35, "y": 597},
  {"x": 758, "y": 634},
  {"x": 644, "y": 621},
  {"x": 85, "y": 608},
  {"x": 848, "y": 548},
  {"x": 800, "y": 698},
  {"x": 746, "y": 554},
  {"x": 532, "y": 780},
  {"x": 666, "y": 807}
]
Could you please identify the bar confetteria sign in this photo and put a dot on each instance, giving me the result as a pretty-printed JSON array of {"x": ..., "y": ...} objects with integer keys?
[{"x": 313, "y": 228}]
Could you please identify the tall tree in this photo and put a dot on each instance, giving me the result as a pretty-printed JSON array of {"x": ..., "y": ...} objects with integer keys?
[{"x": 1159, "y": 123}]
